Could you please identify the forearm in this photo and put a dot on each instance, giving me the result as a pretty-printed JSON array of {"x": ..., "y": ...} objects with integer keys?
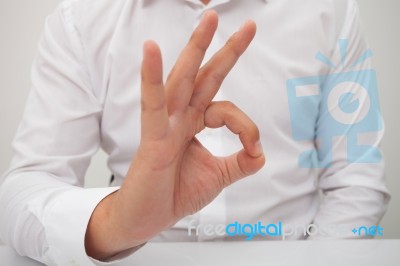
[
  {"x": 344, "y": 209},
  {"x": 104, "y": 238},
  {"x": 41, "y": 217}
]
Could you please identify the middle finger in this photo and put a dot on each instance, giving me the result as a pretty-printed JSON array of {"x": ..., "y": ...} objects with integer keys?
[
  {"x": 212, "y": 74},
  {"x": 180, "y": 82}
]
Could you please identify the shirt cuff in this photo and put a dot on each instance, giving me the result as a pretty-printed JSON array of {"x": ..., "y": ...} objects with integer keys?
[
  {"x": 66, "y": 221},
  {"x": 118, "y": 257}
]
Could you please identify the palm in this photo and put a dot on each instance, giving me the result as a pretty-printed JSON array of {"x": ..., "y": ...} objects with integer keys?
[
  {"x": 199, "y": 181},
  {"x": 196, "y": 176}
]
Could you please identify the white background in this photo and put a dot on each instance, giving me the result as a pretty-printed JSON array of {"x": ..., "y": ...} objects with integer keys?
[{"x": 21, "y": 22}]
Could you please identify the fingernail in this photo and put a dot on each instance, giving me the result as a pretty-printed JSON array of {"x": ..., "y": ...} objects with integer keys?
[{"x": 258, "y": 148}]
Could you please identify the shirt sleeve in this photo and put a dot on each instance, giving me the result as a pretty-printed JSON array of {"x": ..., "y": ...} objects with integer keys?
[
  {"x": 44, "y": 209},
  {"x": 349, "y": 131}
]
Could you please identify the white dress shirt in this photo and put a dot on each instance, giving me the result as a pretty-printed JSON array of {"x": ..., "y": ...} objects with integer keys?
[{"x": 86, "y": 95}]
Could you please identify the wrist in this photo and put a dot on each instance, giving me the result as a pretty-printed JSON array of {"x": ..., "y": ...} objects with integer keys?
[{"x": 103, "y": 238}]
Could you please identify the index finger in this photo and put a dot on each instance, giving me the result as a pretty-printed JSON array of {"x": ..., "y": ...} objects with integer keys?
[{"x": 248, "y": 160}]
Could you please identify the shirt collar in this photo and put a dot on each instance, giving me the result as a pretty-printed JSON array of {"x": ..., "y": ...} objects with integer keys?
[
  {"x": 145, "y": 2},
  {"x": 266, "y": 1}
]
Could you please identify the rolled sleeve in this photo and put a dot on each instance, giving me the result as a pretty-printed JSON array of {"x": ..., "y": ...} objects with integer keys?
[
  {"x": 44, "y": 208},
  {"x": 66, "y": 222},
  {"x": 352, "y": 175}
]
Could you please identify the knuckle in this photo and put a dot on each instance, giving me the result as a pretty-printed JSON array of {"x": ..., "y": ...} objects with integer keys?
[
  {"x": 197, "y": 42},
  {"x": 252, "y": 130},
  {"x": 218, "y": 78},
  {"x": 232, "y": 46},
  {"x": 154, "y": 106},
  {"x": 255, "y": 131},
  {"x": 229, "y": 106},
  {"x": 230, "y": 109}
]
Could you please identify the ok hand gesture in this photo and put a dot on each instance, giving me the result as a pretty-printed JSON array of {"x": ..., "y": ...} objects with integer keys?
[{"x": 172, "y": 175}]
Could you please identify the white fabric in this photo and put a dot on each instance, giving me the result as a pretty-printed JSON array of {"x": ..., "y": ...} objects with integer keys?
[{"x": 85, "y": 95}]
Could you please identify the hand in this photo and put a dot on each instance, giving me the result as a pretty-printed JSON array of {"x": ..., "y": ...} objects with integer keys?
[{"x": 172, "y": 175}]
